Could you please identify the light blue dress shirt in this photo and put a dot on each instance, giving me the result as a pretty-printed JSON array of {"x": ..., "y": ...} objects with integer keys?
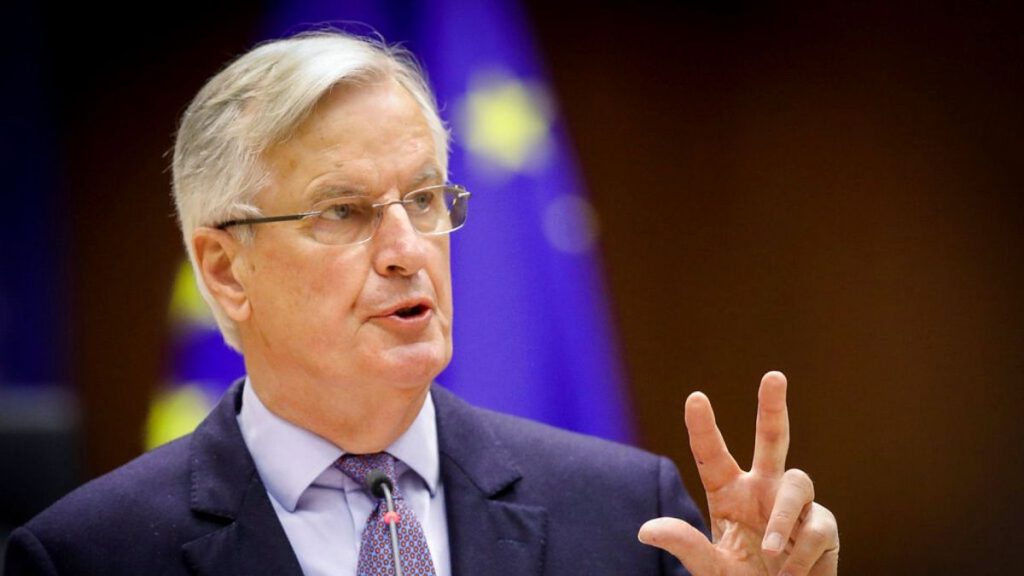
[{"x": 322, "y": 510}]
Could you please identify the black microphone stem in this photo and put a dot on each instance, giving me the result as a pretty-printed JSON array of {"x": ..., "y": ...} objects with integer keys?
[{"x": 392, "y": 528}]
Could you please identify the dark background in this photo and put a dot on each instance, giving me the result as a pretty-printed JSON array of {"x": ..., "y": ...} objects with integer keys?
[{"x": 832, "y": 190}]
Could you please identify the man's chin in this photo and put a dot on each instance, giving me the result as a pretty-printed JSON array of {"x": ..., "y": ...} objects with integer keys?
[{"x": 413, "y": 365}]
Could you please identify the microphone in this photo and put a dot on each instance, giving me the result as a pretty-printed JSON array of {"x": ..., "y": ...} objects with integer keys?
[{"x": 380, "y": 486}]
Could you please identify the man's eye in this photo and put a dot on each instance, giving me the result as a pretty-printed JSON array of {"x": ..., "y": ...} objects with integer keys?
[
  {"x": 422, "y": 201},
  {"x": 343, "y": 211}
]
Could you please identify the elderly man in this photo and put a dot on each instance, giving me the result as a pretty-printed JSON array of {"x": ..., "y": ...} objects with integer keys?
[{"x": 310, "y": 181}]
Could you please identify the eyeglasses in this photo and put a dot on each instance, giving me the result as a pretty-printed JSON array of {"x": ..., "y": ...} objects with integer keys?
[{"x": 433, "y": 211}]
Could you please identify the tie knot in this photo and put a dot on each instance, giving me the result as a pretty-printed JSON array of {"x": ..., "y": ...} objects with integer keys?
[{"x": 358, "y": 466}]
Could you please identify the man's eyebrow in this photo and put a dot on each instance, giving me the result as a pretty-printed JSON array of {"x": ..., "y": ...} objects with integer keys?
[
  {"x": 330, "y": 192},
  {"x": 429, "y": 174}
]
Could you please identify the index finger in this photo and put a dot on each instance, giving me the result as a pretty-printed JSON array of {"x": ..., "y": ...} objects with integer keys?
[
  {"x": 771, "y": 440},
  {"x": 714, "y": 462}
]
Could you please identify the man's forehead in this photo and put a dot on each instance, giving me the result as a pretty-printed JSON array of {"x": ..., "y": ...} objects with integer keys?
[{"x": 361, "y": 140}]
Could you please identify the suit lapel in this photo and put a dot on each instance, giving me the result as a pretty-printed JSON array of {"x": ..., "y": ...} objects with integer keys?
[
  {"x": 226, "y": 488},
  {"x": 488, "y": 533}
]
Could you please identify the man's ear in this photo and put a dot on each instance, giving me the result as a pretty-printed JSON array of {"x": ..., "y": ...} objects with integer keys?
[{"x": 217, "y": 253}]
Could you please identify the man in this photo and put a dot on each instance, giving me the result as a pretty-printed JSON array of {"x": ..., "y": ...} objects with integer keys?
[{"x": 310, "y": 178}]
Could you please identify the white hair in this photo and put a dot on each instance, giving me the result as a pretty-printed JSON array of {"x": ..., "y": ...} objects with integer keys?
[{"x": 259, "y": 100}]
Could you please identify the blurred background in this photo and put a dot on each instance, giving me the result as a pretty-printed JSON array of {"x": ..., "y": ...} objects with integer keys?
[{"x": 703, "y": 193}]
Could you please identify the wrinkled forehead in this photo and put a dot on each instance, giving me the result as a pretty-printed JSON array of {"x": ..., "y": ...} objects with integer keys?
[
  {"x": 362, "y": 138},
  {"x": 379, "y": 85}
]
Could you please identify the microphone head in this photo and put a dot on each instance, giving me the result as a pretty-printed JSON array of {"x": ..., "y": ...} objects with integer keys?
[{"x": 376, "y": 480}]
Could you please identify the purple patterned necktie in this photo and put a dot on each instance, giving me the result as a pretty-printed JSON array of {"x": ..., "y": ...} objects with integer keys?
[{"x": 375, "y": 557}]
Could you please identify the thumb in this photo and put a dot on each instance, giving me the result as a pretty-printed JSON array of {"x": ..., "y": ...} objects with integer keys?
[{"x": 683, "y": 541}]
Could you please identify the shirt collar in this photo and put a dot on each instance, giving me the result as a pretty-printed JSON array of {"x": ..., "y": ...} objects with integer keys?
[
  {"x": 290, "y": 458},
  {"x": 417, "y": 447}
]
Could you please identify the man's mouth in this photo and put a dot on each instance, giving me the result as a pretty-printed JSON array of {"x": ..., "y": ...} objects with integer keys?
[{"x": 411, "y": 311}]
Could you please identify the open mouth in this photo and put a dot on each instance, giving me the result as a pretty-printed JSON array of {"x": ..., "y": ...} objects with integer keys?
[{"x": 411, "y": 311}]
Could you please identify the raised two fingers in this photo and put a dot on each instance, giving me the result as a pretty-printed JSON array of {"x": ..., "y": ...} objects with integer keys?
[{"x": 771, "y": 442}]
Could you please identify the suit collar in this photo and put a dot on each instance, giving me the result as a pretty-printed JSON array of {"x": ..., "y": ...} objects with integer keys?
[
  {"x": 469, "y": 443},
  {"x": 488, "y": 531},
  {"x": 220, "y": 463},
  {"x": 226, "y": 486}
]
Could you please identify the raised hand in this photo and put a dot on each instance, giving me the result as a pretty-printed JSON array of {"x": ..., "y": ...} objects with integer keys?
[{"x": 763, "y": 522}]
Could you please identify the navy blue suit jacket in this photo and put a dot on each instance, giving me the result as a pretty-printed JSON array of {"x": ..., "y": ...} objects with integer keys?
[{"x": 522, "y": 499}]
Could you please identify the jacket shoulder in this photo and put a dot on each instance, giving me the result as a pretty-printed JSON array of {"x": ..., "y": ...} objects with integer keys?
[
  {"x": 627, "y": 481},
  {"x": 126, "y": 521},
  {"x": 563, "y": 448},
  {"x": 595, "y": 493},
  {"x": 154, "y": 483}
]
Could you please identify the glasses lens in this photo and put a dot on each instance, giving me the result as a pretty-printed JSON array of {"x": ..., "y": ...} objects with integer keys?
[
  {"x": 346, "y": 221},
  {"x": 433, "y": 210},
  {"x": 457, "y": 203},
  {"x": 427, "y": 211},
  {"x": 436, "y": 210}
]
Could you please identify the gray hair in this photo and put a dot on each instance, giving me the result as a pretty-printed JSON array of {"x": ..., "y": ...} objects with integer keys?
[{"x": 259, "y": 100}]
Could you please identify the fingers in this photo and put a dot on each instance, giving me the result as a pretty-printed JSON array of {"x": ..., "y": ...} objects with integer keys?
[
  {"x": 816, "y": 545},
  {"x": 828, "y": 564},
  {"x": 683, "y": 541},
  {"x": 796, "y": 492},
  {"x": 716, "y": 466},
  {"x": 771, "y": 441}
]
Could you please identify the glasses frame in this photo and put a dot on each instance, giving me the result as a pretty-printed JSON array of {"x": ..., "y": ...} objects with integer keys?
[{"x": 461, "y": 195}]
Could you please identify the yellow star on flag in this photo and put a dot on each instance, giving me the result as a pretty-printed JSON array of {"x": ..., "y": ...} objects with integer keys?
[{"x": 506, "y": 120}]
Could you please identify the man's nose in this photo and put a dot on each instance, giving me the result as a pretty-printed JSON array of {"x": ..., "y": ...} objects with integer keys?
[{"x": 399, "y": 248}]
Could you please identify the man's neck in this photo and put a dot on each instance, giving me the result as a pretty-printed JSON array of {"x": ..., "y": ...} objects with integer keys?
[{"x": 359, "y": 418}]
